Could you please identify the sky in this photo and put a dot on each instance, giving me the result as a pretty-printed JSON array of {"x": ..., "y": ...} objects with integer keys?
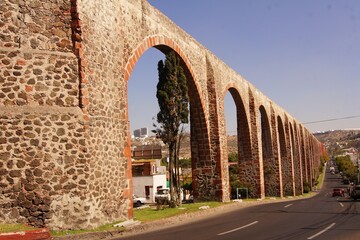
[{"x": 303, "y": 55}]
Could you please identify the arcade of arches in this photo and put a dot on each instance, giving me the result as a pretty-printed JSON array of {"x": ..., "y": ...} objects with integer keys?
[{"x": 65, "y": 138}]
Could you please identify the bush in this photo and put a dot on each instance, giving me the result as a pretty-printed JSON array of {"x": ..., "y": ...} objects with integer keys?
[{"x": 306, "y": 186}]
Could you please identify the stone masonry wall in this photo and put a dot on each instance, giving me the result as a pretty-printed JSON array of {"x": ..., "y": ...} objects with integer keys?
[
  {"x": 42, "y": 138},
  {"x": 104, "y": 98}
]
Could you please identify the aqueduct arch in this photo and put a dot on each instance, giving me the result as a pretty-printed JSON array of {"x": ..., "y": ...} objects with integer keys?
[
  {"x": 64, "y": 140},
  {"x": 270, "y": 165},
  {"x": 203, "y": 175}
]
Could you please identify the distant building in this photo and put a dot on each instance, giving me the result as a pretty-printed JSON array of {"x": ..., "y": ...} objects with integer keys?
[
  {"x": 148, "y": 175},
  {"x": 147, "y": 152},
  {"x": 137, "y": 133},
  {"x": 141, "y": 133}
]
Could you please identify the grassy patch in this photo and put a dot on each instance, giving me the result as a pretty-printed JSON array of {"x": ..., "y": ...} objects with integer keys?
[
  {"x": 151, "y": 214},
  {"x": 4, "y": 227},
  {"x": 321, "y": 179},
  {"x": 143, "y": 215}
]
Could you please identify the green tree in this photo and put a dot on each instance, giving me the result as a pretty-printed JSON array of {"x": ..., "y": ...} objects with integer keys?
[
  {"x": 348, "y": 168},
  {"x": 173, "y": 100}
]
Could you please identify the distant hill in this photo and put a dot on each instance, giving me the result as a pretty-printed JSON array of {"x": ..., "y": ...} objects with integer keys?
[
  {"x": 185, "y": 145},
  {"x": 336, "y": 141}
]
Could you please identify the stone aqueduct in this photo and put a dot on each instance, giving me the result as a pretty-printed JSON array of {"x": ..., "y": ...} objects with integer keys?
[{"x": 64, "y": 139}]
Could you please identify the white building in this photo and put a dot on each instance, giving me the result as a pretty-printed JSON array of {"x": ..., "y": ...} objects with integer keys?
[{"x": 148, "y": 176}]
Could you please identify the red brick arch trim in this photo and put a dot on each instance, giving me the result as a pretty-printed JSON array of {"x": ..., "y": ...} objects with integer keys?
[
  {"x": 226, "y": 89},
  {"x": 149, "y": 42},
  {"x": 153, "y": 41}
]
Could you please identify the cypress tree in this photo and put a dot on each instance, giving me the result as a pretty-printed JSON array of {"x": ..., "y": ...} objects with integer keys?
[{"x": 173, "y": 100}]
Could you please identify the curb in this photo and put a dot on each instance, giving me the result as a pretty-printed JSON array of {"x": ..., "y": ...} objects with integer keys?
[{"x": 38, "y": 234}]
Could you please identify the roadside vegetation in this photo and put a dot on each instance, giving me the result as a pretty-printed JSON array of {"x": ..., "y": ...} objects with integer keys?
[
  {"x": 151, "y": 214},
  {"x": 16, "y": 227},
  {"x": 347, "y": 167}
]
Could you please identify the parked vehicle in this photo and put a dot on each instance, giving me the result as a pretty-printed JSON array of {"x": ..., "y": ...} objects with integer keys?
[
  {"x": 162, "y": 196},
  {"x": 138, "y": 201},
  {"x": 346, "y": 181},
  {"x": 338, "y": 192},
  {"x": 355, "y": 192},
  {"x": 190, "y": 199}
]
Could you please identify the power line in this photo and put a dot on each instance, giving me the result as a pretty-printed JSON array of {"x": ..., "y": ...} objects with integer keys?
[
  {"x": 332, "y": 119},
  {"x": 319, "y": 121}
]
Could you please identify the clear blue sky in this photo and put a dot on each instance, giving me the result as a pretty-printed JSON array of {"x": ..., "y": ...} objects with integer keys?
[{"x": 304, "y": 55}]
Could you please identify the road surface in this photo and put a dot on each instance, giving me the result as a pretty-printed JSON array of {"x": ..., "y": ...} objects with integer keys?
[{"x": 320, "y": 217}]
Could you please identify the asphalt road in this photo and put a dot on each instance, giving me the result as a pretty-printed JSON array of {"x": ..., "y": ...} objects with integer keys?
[{"x": 319, "y": 217}]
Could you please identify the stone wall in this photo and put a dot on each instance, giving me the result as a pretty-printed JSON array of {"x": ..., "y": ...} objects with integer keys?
[
  {"x": 48, "y": 175},
  {"x": 42, "y": 138}
]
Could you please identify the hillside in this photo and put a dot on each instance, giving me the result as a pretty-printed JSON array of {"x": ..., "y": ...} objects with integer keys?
[
  {"x": 336, "y": 141},
  {"x": 185, "y": 144}
]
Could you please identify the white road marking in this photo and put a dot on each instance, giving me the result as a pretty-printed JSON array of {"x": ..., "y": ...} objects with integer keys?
[
  {"x": 236, "y": 229},
  {"x": 288, "y": 205},
  {"x": 322, "y": 231},
  {"x": 341, "y": 204}
]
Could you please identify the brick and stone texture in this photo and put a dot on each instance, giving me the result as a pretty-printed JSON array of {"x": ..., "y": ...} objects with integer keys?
[{"x": 64, "y": 128}]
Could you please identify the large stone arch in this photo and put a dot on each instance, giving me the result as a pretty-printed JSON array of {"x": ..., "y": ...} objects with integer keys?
[
  {"x": 317, "y": 151},
  {"x": 207, "y": 171},
  {"x": 276, "y": 151},
  {"x": 304, "y": 162},
  {"x": 215, "y": 169},
  {"x": 243, "y": 139},
  {"x": 250, "y": 164},
  {"x": 313, "y": 161},
  {"x": 269, "y": 163},
  {"x": 293, "y": 157},
  {"x": 289, "y": 170},
  {"x": 310, "y": 160},
  {"x": 256, "y": 169},
  {"x": 297, "y": 160},
  {"x": 286, "y": 177}
]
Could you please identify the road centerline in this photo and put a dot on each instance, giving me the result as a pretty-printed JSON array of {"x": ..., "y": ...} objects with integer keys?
[
  {"x": 322, "y": 231},
  {"x": 288, "y": 205},
  {"x": 239, "y": 228}
]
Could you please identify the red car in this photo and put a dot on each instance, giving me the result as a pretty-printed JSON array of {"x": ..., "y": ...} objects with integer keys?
[{"x": 338, "y": 192}]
